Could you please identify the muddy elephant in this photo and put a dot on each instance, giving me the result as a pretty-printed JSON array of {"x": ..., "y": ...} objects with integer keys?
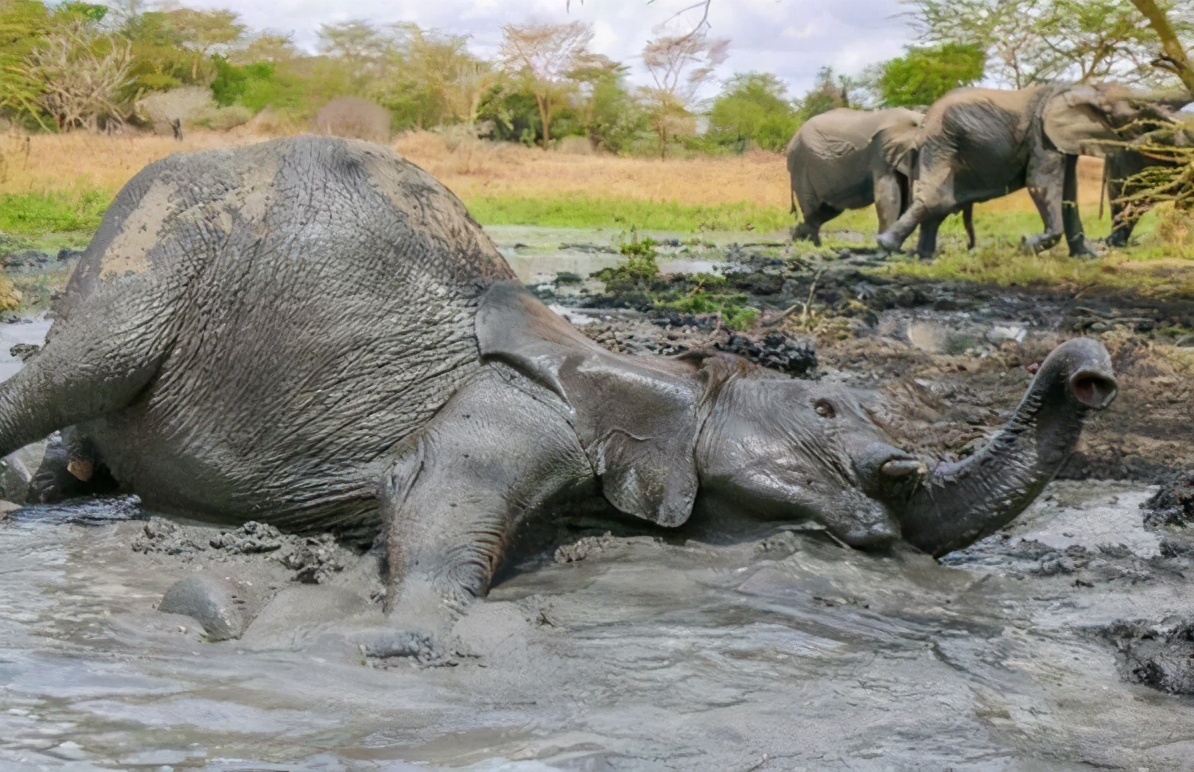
[
  {"x": 1125, "y": 175},
  {"x": 313, "y": 333},
  {"x": 849, "y": 159},
  {"x": 977, "y": 144}
]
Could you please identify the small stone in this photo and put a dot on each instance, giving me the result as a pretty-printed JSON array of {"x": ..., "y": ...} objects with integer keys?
[{"x": 209, "y": 601}]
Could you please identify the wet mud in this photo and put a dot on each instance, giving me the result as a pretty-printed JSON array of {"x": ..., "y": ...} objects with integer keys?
[{"x": 1063, "y": 641}]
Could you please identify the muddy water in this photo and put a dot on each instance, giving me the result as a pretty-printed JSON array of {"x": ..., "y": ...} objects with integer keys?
[{"x": 779, "y": 651}]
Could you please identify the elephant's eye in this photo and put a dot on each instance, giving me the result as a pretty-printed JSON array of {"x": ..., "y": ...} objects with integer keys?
[{"x": 824, "y": 408}]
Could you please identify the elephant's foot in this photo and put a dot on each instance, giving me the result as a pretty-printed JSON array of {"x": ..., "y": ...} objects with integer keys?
[
  {"x": 803, "y": 232},
  {"x": 1034, "y": 245},
  {"x": 889, "y": 243},
  {"x": 1080, "y": 248},
  {"x": 1116, "y": 240}
]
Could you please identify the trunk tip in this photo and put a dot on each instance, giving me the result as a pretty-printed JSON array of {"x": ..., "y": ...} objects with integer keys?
[{"x": 1094, "y": 389}]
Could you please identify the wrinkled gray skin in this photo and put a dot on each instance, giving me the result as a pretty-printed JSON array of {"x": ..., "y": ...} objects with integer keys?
[
  {"x": 849, "y": 159},
  {"x": 1120, "y": 175},
  {"x": 270, "y": 332},
  {"x": 977, "y": 144}
]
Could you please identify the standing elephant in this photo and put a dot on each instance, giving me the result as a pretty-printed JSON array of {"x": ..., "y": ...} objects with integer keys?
[
  {"x": 978, "y": 144},
  {"x": 849, "y": 159},
  {"x": 313, "y": 333}
]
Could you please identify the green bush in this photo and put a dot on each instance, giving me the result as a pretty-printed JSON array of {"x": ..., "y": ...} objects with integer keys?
[
  {"x": 225, "y": 118},
  {"x": 41, "y": 213}
]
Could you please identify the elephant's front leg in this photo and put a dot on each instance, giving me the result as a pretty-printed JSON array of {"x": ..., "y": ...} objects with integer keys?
[
  {"x": 495, "y": 454},
  {"x": 1070, "y": 219}
]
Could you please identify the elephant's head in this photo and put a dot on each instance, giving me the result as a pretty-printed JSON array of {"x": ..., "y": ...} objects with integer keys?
[
  {"x": 661, "y": 434},
  {"x": 799, "y": 450},
  {"x": 1091, "y": 119}
]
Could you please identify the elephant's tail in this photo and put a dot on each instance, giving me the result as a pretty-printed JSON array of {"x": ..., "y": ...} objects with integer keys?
[
  {"x": 792, "y": 195},
  {"x": 1103, "y": 186}
]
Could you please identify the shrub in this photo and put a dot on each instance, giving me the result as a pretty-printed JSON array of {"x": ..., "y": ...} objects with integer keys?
[
  {"x": 187, "y": 104},
  {"x": 225, "y": 118},
  {"x": 273, "y": 123},
  {"x": 355, "y": 118}
]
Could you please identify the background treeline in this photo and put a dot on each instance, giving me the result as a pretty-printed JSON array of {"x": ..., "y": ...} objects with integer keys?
[{"x": 77, "y": 65}]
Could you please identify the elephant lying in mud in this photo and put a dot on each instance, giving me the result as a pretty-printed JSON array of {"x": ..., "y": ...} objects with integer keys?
[
  {"x": 313, "y": 333},
  {"x": 977, "y": 144},
  {"x": 849, "y": 159}
]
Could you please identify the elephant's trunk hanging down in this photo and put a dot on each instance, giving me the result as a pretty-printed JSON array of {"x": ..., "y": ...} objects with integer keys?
[{"x": 959, "y": 503}]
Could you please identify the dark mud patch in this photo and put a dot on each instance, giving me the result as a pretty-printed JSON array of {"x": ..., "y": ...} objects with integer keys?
[
  {"x": 672, "y": 336},
  {"x": 1160, "y": 656},
  {"x": 37, "y": 261},
  {"x": 81, "y": 511},
  {"x": 1173, "y": 504},
  {"x": 775, "y": 351}
]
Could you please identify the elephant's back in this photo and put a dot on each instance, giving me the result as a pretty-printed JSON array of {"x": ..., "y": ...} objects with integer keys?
[{"x": 329, "y": 311}]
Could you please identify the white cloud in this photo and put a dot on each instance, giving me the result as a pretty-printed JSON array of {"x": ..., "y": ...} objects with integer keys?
[{"x": 790, "y": 38}]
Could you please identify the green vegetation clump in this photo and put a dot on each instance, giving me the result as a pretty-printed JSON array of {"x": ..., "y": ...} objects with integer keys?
[
  {"x": 638, "y": 282},
  {"x": 38, "y": 214}
]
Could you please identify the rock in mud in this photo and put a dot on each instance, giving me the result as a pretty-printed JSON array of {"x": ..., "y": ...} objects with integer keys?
[
  {"x": 212, "y": 602},
  {"x": 17, "y": 470},
  {"x": 252, "y": 538},
  {"x": 776, "y": 351},
  {"x": 166, "y": 537},
  {"x": 314, "y": 559},
  {"x": 1172, "y": 505},
  {"x": 1160, "y": 656},
  {"x": 24, "y": 351},
  {"x": 584, "y": 548}
]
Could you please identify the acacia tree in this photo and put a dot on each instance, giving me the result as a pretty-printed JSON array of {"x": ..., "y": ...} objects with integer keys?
[
  {"x": 361, "y": 48},
  {"x": 1028, "y": 41},
  {"x": 272, "y": 47},
  {"x": 1174, "y": 56},
  {"x": 206, "y": 32},
  {"x": 923, "y": 75},
  {"x": 679, "y": 66},
  {"x": 543, "y": 55}
]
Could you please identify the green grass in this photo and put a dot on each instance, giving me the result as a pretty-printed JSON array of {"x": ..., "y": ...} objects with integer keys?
[
  {"x": 1151, "y": 267},
  {"x": 579, "y": 211},
  {"x": 38, "y": 214}
]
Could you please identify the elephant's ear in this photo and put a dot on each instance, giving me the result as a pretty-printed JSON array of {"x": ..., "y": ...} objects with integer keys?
[
  {"x": 1076, "y": 122},
  {"x": 636, "y": 420}
]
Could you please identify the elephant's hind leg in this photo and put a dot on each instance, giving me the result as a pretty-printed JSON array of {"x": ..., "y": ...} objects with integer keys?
[
  {"x": 810, "y": 229},
  {"x": 98, "y": 362},
  {"x": 1052, "y": 184}
]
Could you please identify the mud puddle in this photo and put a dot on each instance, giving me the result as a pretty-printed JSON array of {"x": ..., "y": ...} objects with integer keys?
[{"x": 781, "y": 651}]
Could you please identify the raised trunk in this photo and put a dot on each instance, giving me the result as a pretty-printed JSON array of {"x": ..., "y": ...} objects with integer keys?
[{"x": 960, "y": 503}]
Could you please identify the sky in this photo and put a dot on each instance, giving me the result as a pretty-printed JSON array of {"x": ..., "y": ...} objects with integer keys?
[{"x": 790, "y": 38}]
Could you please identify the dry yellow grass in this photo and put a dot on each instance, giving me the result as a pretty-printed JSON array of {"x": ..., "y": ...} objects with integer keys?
[{"x": 78, "y": 161}]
